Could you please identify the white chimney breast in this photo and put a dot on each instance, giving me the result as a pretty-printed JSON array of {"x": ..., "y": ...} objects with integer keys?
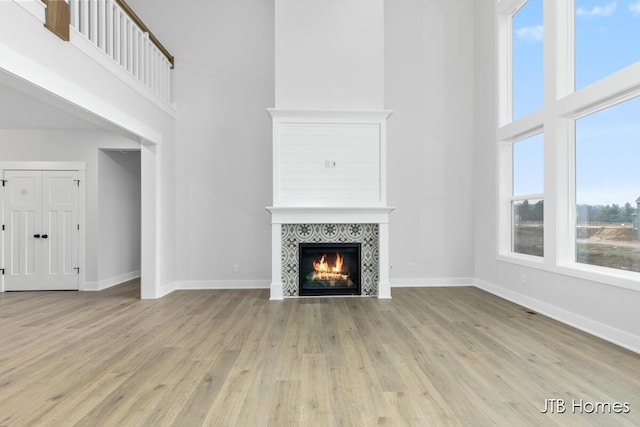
[
  {"x": 329, "y": 54},
  {"x": 329, "y": 167},
  {"x": 329, "y": 130}
]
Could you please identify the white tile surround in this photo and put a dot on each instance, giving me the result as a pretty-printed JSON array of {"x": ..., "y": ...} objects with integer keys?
[{"x": 329, "y": 167}]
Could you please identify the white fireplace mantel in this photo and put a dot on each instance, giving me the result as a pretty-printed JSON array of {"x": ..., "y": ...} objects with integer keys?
[
  {"x": 330, "y": 215},
  {"x": 329, "y": 167}
]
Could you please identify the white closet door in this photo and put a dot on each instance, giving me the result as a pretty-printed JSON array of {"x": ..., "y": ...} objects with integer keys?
[
  {"x": 60, "y": 226},
  {"x": 41, "y": 236},
  {"x": 22, "y": 220}
]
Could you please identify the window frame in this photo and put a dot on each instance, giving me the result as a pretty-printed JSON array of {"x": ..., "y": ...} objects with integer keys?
[
  {"x": 510, "y": 132},
  {"x": 519, "y": 197},
  {"x": 562, "y": 106},
  {"x": 505, "y": 213}
]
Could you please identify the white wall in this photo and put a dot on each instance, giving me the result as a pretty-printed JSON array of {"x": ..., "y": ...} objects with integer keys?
[
  {"x": 329, "y": 54},
  {"x": 429, "y": 86},
  {"x": 605, "y": 310},
  {"x": 224, "y": 81},
  {"x": 58, "y": 145},
  {"x": 222, "y": 88},
  {"x": 118, "y": 216}
]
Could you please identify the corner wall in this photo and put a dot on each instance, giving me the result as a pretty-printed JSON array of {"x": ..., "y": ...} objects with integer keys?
[
  {"x": 119, "y": 219},
  {"x": 607, "y": 311},
  {"x": 224, "y": 82},
  {"x": 429, "y": 82}
]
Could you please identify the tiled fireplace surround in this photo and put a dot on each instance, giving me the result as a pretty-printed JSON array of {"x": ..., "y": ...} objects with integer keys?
[
  {"x": 365, "y": 234},
  {"x": 329, "y": 186}
]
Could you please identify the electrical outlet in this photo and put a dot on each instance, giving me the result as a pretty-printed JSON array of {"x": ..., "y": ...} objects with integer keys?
[
  {"x": 236, "y": 268},
  {"x": 412, "y": 266},
  {"x": 523, "y": 280}
]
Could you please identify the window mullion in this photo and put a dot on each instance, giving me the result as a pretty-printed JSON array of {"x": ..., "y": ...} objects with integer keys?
[{"x": 565, "y": 197}]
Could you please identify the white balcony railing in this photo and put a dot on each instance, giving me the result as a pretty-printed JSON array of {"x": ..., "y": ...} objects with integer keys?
[{"x": 122, "y": 36}]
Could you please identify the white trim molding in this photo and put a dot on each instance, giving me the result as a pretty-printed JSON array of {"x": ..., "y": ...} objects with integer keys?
[
  {"x": 431, "y": 282},
  {"x": 221, "y": 284},
  {"x": 600, "y": 330},
  {"x": 166, "y": 289},
  {"x": 329, "y": 215},
  {"x": 304, "y": 115},
  {"x": 111, "y": 281}
]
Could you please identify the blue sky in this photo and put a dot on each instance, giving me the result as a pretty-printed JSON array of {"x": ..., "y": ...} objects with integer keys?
[
  {"x": 528, "y": 176},
  {"x": 607, "y": 142}
]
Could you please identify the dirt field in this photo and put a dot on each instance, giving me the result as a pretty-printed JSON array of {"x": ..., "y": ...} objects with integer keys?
[
  {"x": 529, "y": 239},
  {"x": 606, "y": 245}
]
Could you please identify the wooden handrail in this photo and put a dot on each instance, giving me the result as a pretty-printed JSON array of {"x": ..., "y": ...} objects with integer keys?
[
  {"x": 127, "y": 9},
  {"x": 57, "y": 18}
]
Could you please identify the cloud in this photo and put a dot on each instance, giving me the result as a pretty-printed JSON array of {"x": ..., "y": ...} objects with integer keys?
[
  {"x": 606, "y": 10},
  {"x": 634, "y": 8},
  {"x": 530, "y": 34}
]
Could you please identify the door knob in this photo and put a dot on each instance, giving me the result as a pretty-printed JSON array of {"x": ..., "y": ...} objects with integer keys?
[{"x": 37, "y": 236}]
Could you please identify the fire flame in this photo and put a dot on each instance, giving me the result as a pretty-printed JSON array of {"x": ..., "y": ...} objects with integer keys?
[{"x": 323, "y": 271}]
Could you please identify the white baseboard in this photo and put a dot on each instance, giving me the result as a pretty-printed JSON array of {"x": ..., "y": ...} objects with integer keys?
[
  {"x": 431, "y": 282},
  {"x": 166, "y": 289},
  {"x": 110, "y": 282},
  {"x": 90, "y": 286},
  {"x": 600, "y": 330},
  {"x": 223, "y": 284}
]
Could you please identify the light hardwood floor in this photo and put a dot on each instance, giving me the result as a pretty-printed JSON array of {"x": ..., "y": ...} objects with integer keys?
[{"x": 429, "y": 357}]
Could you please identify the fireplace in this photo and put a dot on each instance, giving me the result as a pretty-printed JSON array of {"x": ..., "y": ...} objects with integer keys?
[
  {"x": 329, "y": 187},
  {"x": 329, "y": 269}
]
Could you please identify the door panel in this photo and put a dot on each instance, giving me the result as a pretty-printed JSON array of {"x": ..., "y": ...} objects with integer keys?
[
  {"x": 41, "y": 236},
  {"x": 23, "y": 200},
  {"x": 60, "y": 248}
]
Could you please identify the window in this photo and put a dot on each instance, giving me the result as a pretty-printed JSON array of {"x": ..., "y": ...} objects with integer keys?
[
  {"x": 606, "y": 38},
  {"x": 522, "y": 151},
  {"x": 527, "y": 203},
  {"x": 568, "y": 181},
  {"x": 527, "y": 58},
  {"x": 607, "y": 152}
]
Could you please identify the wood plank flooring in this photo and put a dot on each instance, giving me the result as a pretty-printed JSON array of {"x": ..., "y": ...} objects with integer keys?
[{"x": 428, "y": 357}]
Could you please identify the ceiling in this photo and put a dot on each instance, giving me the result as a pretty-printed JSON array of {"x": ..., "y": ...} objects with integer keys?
[
  {"x": 19, "y": 110},
  {"x": 24, "y": 105}
]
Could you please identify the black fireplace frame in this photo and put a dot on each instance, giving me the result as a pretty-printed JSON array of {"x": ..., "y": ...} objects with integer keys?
[{"x": 355, "y": 290}]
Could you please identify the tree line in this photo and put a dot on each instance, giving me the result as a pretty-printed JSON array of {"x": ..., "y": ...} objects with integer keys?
[
  {"x": 607, "y": 213},
  {"x": 530, "y": 211},
  {"x": 527, "y": 211}
]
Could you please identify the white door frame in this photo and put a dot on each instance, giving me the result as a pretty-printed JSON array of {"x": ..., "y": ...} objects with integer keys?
[{"x": 81, "y": 168}]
